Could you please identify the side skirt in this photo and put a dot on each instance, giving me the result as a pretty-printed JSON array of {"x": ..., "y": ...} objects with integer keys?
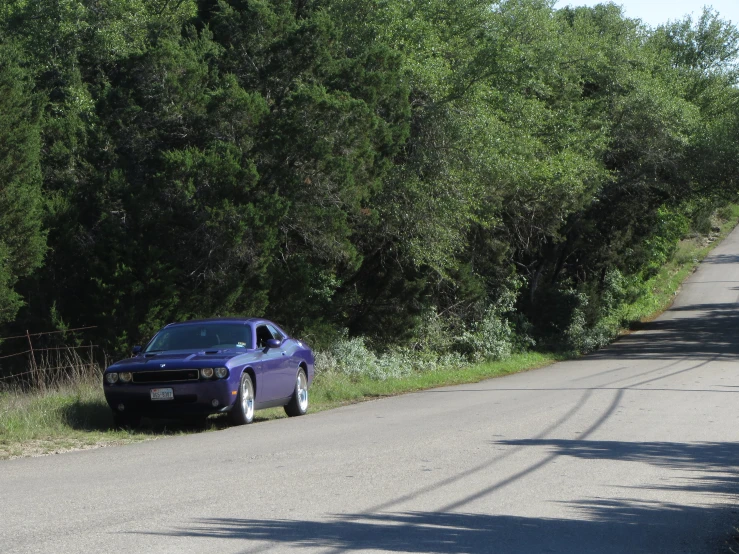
[{"x": 271, "y": 403}]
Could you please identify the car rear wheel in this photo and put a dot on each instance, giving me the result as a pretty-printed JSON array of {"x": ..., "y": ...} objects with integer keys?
[
  {"x": 243, "y": 411},
  {"x": 298, "y": 404}
]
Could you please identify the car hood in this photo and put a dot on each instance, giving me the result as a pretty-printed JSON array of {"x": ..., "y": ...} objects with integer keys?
[{"x": 177, "y": 359}]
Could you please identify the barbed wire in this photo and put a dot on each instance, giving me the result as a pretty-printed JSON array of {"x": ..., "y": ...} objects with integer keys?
[
  {"x": 8, "y": 377},
  {"x": 49, "y": 333},
  {"x": 48, "y": 349},
  {"x": 44, "y": 369},
  {"x": 65, "y": 347},
  {"x": 36, "y": 373},
  {"x": 16, "y": 354}
]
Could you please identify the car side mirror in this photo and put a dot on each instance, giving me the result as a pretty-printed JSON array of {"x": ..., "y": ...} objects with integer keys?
[
  {"x": 274, "y": 343},
  {"x": 136, "y": 350}
]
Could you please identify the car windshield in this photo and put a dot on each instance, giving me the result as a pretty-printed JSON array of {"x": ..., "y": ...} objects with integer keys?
[{"x": 208, "y": 336}]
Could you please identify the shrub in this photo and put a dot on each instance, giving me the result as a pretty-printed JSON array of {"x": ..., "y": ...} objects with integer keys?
[
  {"x": 352, "y": 358},
  {"x": 348, "y": 356},
  {"x": 596, "y": 318},
  {"x": 582, "y": 336},
  {"x": 670, "y": 227},
  {"x": 490, "y": 339},
  {"x": 436, "y": 333}
]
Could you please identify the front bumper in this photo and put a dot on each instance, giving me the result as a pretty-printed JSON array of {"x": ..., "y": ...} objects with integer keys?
[{"x": 189, "y": 398}]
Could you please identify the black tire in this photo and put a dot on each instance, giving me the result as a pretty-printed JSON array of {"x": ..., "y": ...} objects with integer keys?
[
  {"x": 243, "y": 411},
  {"x": 298, "y": 404},
  {"x": 122, "y": 420}
]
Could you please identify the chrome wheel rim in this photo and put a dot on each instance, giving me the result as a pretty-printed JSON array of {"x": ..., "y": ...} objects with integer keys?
[
  {"x": 302, "y": 391},
  {"x": 247, "y": 399}
]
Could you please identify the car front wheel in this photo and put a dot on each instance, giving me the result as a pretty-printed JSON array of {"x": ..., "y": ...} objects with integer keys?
[
  {"x": 243, "y": 411},
  {"x": 298, "y": 404}
]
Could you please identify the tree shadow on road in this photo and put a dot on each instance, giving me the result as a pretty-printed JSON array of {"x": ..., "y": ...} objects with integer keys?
[
  {"x": 721, "y": 259},
  {"x": 612, "y": 527},
  {"x": 597, "y": 524},
  {"x": 710, "y": 332},
  {"x": 716, "y": 464}
]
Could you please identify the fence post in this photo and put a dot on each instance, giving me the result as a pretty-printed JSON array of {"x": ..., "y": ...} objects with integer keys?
[
  {"x": 92, "y": 360},
  {"x": 34, "y": 368}
]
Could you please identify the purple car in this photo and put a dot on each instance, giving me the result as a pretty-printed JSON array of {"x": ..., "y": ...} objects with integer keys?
[{"x": 196, "y": 368}]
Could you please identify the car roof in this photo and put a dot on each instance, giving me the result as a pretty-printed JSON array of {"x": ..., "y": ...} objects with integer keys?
[{"x": 242, "y": 320}]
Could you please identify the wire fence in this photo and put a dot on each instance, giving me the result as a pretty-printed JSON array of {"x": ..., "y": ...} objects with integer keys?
[{"x": 40, "y": 365}]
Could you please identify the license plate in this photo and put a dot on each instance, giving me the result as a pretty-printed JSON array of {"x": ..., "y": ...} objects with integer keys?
[{"x": 162, "y": 394}]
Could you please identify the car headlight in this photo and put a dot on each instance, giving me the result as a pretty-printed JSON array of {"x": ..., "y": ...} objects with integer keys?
[
  {"x": 206, "y": 373},
  {"x": 111, "y": 378},
  {"x": 221, "y": 372},
  {"x": 125, "y": 377}
]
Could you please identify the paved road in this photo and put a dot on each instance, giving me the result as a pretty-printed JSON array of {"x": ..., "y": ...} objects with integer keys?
[{"x": 632, "y": 449}]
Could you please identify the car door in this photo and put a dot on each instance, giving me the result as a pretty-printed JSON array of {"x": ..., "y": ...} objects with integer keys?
[
  {"x": 287, "y": 368},
  {"x": 271, "y": 360}
]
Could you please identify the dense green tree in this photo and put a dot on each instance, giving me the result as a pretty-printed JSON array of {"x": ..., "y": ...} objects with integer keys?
[
  {"x": 369, "y": 166},
  {"x": 22, "y": 240}
]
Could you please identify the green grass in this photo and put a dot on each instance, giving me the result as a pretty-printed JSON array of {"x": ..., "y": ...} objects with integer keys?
[
  {"x": 66, "y": 418},
  {"x": 330, "y": 391},
  {"x": 77, "y": 416}
]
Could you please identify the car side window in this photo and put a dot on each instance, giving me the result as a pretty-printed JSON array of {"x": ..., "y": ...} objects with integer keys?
[
  {"x": 275, "y": 333},
  {"x": 263, "y": 335}
]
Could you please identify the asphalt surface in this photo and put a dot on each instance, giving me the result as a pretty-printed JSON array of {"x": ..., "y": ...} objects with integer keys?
[{"x": 632, "y": 449}]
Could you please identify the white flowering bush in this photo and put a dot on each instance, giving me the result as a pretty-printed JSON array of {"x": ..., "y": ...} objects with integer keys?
[
  {"x": 440, "y": 343},
  {"x": 352, "y": 358},
  {"x": 489, "y": 339}
]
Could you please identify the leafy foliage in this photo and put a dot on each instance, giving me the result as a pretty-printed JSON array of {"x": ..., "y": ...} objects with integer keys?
[
  {"x": 22, "y": 241},
  {"x": 390, "y": 168}
]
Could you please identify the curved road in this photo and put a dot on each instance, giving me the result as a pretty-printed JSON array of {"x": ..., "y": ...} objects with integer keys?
[{"x": 632, "y": 449}]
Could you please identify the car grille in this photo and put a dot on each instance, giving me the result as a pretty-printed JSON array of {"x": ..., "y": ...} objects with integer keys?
[{"x": 166, "y": 376}]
